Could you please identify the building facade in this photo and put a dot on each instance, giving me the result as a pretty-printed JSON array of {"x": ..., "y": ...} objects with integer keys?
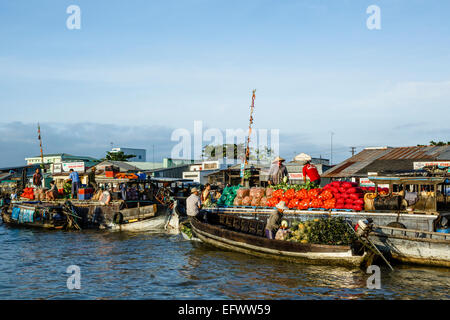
[{"x": 140, "y": 155}]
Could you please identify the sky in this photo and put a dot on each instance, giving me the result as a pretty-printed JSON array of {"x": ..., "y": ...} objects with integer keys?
[{"x": 138, "y": 70}]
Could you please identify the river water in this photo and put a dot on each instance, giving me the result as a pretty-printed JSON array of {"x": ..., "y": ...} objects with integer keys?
[{"x": 116, "y": 265}]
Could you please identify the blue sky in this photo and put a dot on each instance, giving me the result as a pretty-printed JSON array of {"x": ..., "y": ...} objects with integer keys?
[{"x": 148, "y": 67}]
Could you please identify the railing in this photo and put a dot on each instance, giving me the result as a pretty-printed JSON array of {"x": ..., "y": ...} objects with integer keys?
[{"x": 421, "y": 234}]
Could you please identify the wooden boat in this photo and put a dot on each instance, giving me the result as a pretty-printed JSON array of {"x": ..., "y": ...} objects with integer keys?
[
  {"x": 146, "y": 218},
  {"x": 116, "y": 216},
  {"x": 409, "y": 220},
  {"x": 247, "y": 236},
  {"x": 54, "y": 217},
  {"x": 413, "y": 246}
]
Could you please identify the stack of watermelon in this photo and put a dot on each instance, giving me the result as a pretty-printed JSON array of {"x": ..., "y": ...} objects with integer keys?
[{"x": 347, "y": 194}]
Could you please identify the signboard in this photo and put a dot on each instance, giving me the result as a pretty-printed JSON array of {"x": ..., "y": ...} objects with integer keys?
[
  {"x": 57, "y": 168},
  {"x": 76, "y": 166},
  {"x": 420, "y": 165},
  {"x": 210, "y": 165},
  {"x": 296, "y": 176},
  {"x": 365, "y": 182}
]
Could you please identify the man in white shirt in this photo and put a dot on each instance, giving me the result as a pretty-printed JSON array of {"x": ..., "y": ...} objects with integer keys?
[{"x": 193, "y": 203}]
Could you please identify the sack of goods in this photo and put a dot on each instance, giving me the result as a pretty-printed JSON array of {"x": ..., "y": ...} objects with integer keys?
[
  {"x": 228, "y": 196},
  {"x": 347, "y": 194},
  {"x": 254, "y": 197}
]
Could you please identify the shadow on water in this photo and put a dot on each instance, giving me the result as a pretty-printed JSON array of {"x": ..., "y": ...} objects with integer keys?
[{"x": 119, "y": 265}]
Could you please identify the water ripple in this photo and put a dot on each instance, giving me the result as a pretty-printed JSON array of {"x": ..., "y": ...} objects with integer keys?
[{"x": 160, "y": 266}]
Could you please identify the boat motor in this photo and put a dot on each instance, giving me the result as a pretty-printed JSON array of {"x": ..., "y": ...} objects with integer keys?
[
  {"x": 364, "y": 227},
  {"x": 442, "y": 223}
]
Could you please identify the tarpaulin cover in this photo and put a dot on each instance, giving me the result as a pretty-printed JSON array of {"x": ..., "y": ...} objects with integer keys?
[
  {"x": 15, "y": 213},
  {"x": 22, "y": 215}
]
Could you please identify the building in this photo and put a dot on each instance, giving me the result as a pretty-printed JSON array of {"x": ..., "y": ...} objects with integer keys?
[
  {"x": 199, "y": 172},
  {"x": 140, "y": 154},
  {"x": 123, "y": 166},
  {"x": 387, "y": 160},
  {"x": 145, "y": 166},
  {"x": 60, "y": 158},
  {"x": 172, "y": 172},
  {"x": 170, "y": 162},
  {"x": 232, "y": 175}
]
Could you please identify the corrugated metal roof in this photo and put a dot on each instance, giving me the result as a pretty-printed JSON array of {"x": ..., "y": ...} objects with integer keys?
[
  {"x": 352, "y": 165},
  {"x": 417, "y": 153},
  {"x": 4, "y": 176}
]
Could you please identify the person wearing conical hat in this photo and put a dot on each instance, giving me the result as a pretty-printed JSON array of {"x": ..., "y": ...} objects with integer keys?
[
  {"x": 278, "y": 171},
  {"x": 274, "y": 221}
]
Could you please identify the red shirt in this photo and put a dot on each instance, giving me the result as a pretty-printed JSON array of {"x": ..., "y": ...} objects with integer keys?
[{"x": 310, "y": 170}]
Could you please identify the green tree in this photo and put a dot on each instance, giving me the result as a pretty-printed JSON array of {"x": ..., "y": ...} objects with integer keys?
[
  {"x": 440, "y": 143},
  {"x": 118, "y": 156},
  {"x": 220, "y": 151}
]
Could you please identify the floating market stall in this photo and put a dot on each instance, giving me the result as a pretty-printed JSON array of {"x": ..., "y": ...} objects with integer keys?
[
  {"x": 247, "y": 236},
  {"x": 345, "y": 199},
  {"x": 124, "y": 203}
]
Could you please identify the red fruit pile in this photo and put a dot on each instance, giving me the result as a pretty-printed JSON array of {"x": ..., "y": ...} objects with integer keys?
[
  {"x": 28, "y": 193},
  {"x": 347, "y": 194}
]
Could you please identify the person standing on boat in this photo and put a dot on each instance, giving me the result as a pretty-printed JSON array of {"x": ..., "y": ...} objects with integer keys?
[
  {"x": 37, "y": 179},
  {"x": 278, "y": 172},
  {"x": 75, "y": 183},
  {"x": 206, "y": 196},
  {"x": 310, "y": 170},
  {"x": 193, "y": 205},
  {"x": 91, "y": 179},
  {"x": 274, "y": 221}
]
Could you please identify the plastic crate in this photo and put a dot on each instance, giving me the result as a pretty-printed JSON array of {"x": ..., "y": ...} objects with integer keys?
[
  {"x": 85, "y": 191},
  {"x": 84, "y": 196}
]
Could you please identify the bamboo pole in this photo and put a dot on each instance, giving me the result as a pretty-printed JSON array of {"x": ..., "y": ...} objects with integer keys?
[{"x": 247, "y": 149}]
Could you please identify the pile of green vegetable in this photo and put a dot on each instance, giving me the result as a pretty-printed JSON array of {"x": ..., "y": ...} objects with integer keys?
[
  {"x": 285, "y": 186},
  {"x": 186, "y": 229},
  {"x": 332, "y": 231},
  {"x": 228, "y": 195}
]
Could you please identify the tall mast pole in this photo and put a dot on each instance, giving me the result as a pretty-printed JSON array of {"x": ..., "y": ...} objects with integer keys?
[
  {"x": 247, "y": 149},
  {"x": 40, "y": 145}
]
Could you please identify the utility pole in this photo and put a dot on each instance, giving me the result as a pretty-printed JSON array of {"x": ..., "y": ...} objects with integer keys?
[
  {"x": 153, "y": 151},
  {"x": 352, "y": 150},
  {"x": 331, "y": 147}
]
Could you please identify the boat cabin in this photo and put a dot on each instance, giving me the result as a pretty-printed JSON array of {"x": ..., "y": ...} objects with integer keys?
[{"x": 420, "y": 194}]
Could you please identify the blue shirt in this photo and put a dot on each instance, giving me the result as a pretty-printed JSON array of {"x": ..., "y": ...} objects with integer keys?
[{"x": 74, "y": 176}]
